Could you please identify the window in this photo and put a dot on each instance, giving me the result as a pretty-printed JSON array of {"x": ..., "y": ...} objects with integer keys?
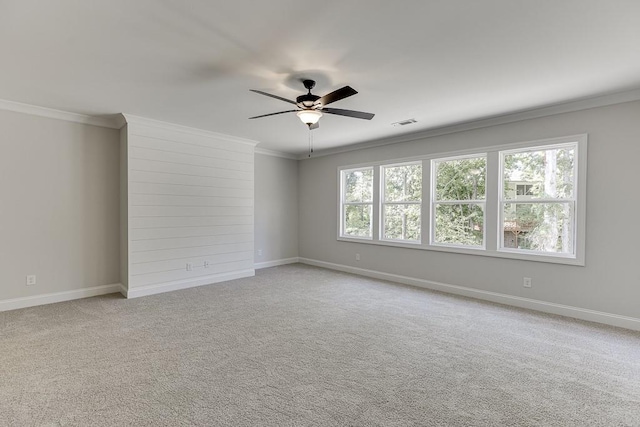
[
  {"x": 401, "y": 202},
  {"x": 357, "y": 202},
  {"x": 543, "y": 222},
  {"x": 523, "y": 201},
  {"x": 458, "y": 200}
]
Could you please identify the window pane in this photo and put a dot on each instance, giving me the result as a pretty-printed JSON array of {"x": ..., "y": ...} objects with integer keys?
[
  {"x": 403, "y": 183},
  {"x": 540, "y": 227},
  {"x": 402, "y": 222},
  {"x": 539, "y": 174},
  {"x": 357, "y": 220},
  {"x": 358, "y": 185},
  {"x": 460, "y": 224},
  {"x": 462, "y": 179}
]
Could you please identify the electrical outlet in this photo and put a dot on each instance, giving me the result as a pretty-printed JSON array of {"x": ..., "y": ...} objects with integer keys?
[
  {"x": 189, "y": 266},
  {"x": 357, "y": 257},
  {"x": 259, "y": 252},
  {"x": 31, "y": 280},
  {"x": 207, "y": 264},
  {"x": 526, "y": 282}
]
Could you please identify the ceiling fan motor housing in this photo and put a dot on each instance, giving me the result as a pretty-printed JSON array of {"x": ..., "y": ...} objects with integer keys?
[{"x": 307, "y": 101}]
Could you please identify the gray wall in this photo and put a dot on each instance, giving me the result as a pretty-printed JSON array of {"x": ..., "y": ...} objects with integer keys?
[
  {"x": 609, "y": 282},
  {"x": 59, "y": 202},
  {"x": 276, "y": 208}
]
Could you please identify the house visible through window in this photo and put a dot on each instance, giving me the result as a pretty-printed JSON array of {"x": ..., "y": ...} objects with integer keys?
[
  {"x": 539, "y": 217},
  {"x": 524, "y": 189},
  {"x": 528, "y": 196}
]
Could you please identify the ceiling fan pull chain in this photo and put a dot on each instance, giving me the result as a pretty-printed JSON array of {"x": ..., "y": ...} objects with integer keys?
[{"x": 310, "y": 142}]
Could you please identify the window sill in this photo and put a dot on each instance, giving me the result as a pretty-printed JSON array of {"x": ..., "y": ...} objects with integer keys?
[
  {"x": 356, "y": 239},
  {"x": 546, "y": 258}
]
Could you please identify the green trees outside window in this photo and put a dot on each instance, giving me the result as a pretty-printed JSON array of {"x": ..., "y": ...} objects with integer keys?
[
  {"x": 357, "y": 202},
  {"x": 401, "y": 202},
  {"x": 538, "y": 200},
  {"x": 459, "y": 200},
  {"x": 532, "y": 206}
]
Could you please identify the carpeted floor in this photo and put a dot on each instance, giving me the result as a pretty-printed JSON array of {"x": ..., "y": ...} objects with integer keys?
[{"x": 303, "y": 346}]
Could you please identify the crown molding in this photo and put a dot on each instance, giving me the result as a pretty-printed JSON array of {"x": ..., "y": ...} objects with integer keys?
[
  {"x": 142, "y": 121},
  {"x": 273, "y": 153},
  {"x": 34, "y": 110},
  {"x": 117, "y": 121},
  {"x": 120, "y": 120},
  {"x": 549, "y": 110}
]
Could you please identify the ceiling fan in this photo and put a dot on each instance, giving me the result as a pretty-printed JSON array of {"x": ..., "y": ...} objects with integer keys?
[{"x": 311, "y": 107}]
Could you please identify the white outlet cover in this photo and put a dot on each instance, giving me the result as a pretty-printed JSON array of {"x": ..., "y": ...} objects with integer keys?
[{"x": 31, "y": 280}]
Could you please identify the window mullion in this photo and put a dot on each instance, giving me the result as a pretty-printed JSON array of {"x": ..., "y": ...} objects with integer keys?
[
  {"x": 376, "y": 216},
  {"x": 429, "y": 195},
  {"x": 460, "y": 202},
  {"x": 492, "y": 195},
  {"x": 425, "y": 207},
  {"x": 357, "y": 203},
  {"x": 533, "y": 201}
]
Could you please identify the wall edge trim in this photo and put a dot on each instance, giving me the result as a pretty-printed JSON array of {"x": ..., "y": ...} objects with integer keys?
[
  {"x": 187, "y": 283},
  {"x": 52, "y": 113},
  {"x": 496, "y": 297},
  {"x": 275, "y": 263},
  {"x": 166, "y": 126},
  {"x": 274, "y": 153},
  {"x": 55, "y": 297}
]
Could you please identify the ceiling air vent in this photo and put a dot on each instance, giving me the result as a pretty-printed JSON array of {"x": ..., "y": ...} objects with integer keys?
[{"x": 404, "y": 122}]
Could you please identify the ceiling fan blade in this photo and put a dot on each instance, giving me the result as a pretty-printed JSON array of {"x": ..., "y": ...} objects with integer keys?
[
  {"x": 337, "y": 95},
  {"x": 273, "y": 96},
  {"x": 348, "y": 113},
  {"x": 316, "y": 125},
  {"x": 273, "y": 114}
]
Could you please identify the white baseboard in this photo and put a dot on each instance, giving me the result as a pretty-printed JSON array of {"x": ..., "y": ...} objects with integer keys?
[
  {"x": 275, "y": 263},
  {"x": 31, "y": 301},
  {"x": 184, "y": 284},
  {"x": 532, "y": 304}
]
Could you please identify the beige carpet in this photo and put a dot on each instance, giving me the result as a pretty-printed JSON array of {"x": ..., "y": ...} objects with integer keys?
[{"x": 303, "y": 346}]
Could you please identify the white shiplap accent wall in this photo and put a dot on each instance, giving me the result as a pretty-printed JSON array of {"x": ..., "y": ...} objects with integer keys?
[{"x": 190, "y": 200}]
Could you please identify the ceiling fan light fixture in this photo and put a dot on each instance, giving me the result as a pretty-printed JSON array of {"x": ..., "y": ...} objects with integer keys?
[
  {"x": 309, "y": 117},
  {"x": 309, "y": 106}
]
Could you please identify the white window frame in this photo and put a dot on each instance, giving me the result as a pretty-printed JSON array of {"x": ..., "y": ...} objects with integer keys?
[
  {"x": 492, "y": 215},
  {"x": 383, "y": 203},
  {"x": 572, "y": 201},
  {"x": 434, "y": 203},
  {"x": 344, "y": 203}
]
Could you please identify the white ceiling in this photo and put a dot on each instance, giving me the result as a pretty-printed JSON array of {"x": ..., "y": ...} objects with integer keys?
[{"x": 193, "y": 62}]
